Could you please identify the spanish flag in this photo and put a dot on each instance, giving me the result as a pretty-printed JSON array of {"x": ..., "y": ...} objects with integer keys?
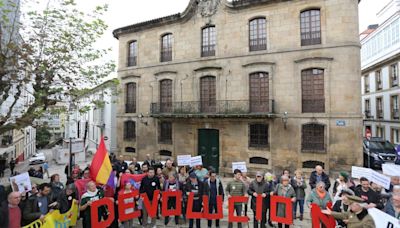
[{"x": 100, "y": 169}]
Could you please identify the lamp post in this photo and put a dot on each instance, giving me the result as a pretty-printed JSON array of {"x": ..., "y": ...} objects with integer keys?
[{"x": 71, "y": 155}]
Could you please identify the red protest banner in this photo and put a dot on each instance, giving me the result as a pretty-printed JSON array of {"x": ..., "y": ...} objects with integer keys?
[
  {"x": 288, "y": 219},
  {"x": 95, "y": 215},
  {"x": 123, "y": 206},
  {"x": 231, "y": 203}
]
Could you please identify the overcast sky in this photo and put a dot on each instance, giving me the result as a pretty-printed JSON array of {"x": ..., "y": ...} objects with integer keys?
[{"x": 126, "y": 12}]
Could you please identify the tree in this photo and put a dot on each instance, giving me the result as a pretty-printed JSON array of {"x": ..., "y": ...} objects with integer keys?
[
  {"x": 43, "y": 136},
  {"x": 49, "y": 57}
]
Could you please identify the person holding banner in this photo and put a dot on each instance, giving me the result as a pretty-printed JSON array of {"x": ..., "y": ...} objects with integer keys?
[
  {"x": 370, "y": 196},
  {"x": 195, "y": 186},
  {"x": 171, "y": 184},
  {"x": 214, "y": 188},
  {"x": 92, "y": 194},
  {"x": 286, "y": 190},
  {"x": 393, "y": 206},
  {"x": 66, "y": 198},
  {"x": 38, "y": 205},
  {"x": 342, "y": 205},
  {"x": 357, "y": 217},
  {"x": 149, "y": 184},
  {"x": 236, "y": 188},
  {"x": 259, "y": 187}
]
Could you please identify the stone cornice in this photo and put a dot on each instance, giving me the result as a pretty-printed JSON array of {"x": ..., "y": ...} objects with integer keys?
[
  {"x": 165, "y": 72},
  {"x": 126, "y": 77},
  {"x": 258, "y": 64},
  {"x": 208, "y": 68},
  {"x": 314, "y": 59}
]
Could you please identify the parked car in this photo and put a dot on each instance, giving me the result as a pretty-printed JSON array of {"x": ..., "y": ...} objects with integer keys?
[
  {"x": 37, "y": 159},
  {"x": 378, "y": 151}
]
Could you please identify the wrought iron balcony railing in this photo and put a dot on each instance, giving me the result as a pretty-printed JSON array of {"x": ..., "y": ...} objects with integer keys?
[
  {"x": 222, "y": 107},
  {"x": 367, "y": 114},
  {"x": 395, "y": 114}
]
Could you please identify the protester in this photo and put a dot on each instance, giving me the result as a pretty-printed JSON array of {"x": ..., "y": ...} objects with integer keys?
[
  {"x": 259, "y": 187},
  {"x": 319, "y": 196},
  {"x": 171, "y": 185},
  {"x": 393, "y": 206},
  {"x": 38, "y": 205},
  {"x": 183, "y": 177},
  {"x": 168, "y": 169},
  {"x": 150, "y": 162},
  {"x": 10, "y": 212},
  {"x": 126, "y": 190},
  {"x": 2, "y": 165},
  {"x": 394, "y": 180},
  {"x": 3, "y": 194},
  {"x": 135, "y": 166},
  {"x": 357, "y": 216},
  {"x": 341, "y": 183},
  {"x": 286, "y": 190},
  {"x": 201, "y": 172},
  {"x": 246, "y": 181},
  {"x": 92, "y": 194},
  {"x": 236, "y": 187},
  {"x": 342, "y": 205},
  {"x": 56, "y": 186},
  {"x": 145, "y": 168},
  {"x": 319, "y": 175},
  {"x": 66, "y": 197},
  {"x": 195, "y": 186},
  {"x": 285, "y": 172},
  {"x": 12, "y": 166},
  {"x": 214, "y": 188},
  {"x": 86, "y": 174},
  {"x": 149, "y": 184},
  {"x": 365, "y": 192},
  {"x": 270, "y": 178},
  {"x": 299, "y": 185}
]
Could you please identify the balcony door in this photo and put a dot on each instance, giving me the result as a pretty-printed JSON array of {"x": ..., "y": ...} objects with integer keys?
[
  {"x": 207, "y": 94},
  {"x": 166, "y": 96},
  {"x": 208, "y": 147},
  {"x": 259, "y": 92}
]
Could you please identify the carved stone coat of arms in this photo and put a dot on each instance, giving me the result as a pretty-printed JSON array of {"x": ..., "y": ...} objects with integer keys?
[{"x": 208, "y": 8}]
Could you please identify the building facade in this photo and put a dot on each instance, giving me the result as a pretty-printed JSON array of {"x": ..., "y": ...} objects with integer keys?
[
  {"x": 380, "y": 57},
  {"x": 271, "y": 83}
]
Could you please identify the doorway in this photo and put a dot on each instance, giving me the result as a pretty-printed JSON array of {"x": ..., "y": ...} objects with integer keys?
[{"x": 208, "y": 147}]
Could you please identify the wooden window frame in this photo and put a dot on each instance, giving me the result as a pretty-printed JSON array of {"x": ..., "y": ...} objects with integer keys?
[
  {"x": 378, "y": 80},
  {"x": 208, "y": 94},
  {"x": 208, "y": 41},
  {"x": 166, "y": 96},
  {"x": 392, "y": 135},
  {"x": 129, "y": 130},
  {"x": 259, "y": 93},
  {"x": 258, "y": 135},
  {"x": 132, "y": 54},
  {"x": 394, "y": 74},
  {"x": 130, "y": 97},
  {"x": 367, "y": 108},
  {"x": 258, "y": 34},
  {"x": 394, "y": 111},
  {"x": 378, "y": 130},
  {"x": 165, "y": 129},
  {"x": 311, "y": 138},
  {"x": 166, "y": 47},
  {"x": 366, "y": 84},
  {"x": 312, "y": 82},
  {"x": 379, "y": 112},
  {"x": 310, "y": 28}
]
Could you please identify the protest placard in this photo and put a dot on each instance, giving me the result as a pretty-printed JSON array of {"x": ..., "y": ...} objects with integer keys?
[
  {"x": 240, "y": 166},
  {"x": 383, "y": 220},
  {"x": 391, "y": 169},
  {"x": 196, "y": 161},
  {"x": 183, "y": 160},
  {"x": 371, "y": 175},
  {"x": 21, "y": 183}
]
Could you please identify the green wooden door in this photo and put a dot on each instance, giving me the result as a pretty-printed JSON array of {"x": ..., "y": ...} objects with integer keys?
[{"x": 208, "y": 147}]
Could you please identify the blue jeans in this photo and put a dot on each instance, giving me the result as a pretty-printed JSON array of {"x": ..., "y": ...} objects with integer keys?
[{"x": 301, "y": 204}]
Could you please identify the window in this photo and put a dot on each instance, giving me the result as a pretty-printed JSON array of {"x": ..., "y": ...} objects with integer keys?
[
  {"x": 129, "y": 130},
  {"x": 379, "y": 108},
  {"x": 165, "y": 153},
  {"x": 313, "y": 137},
  {"x": 394, "y": 75},
  {"x": 378, "y": 80},
  {"x": 258, "y": 135},
  {"x": 166, "y": 47},
  {"x": 312, "y": 88},
  {"x": 259, "y": 92},
  {"x": 380, "y": 132},
  {"x": 367, "y": 109},
  {"x": 366, "y": 84},
  {"x": 395, "y": 136},
  {"x": 166, "y": 96},
  {"x": 132, "y": 54},
  {"x": 257, "y": 34},
  {"x": 130, "y": 105},
  {"x": 165, "y": 132},
  {"x": 310, "y": 27},
  {"x": 207, "y": 94},
  {"x": 258, "y": 160},
  {"x": 208, "y": 41},
  {"x": 311, "y": 164},
  {"x": 394, "y": 105},
  {"x": 130, "y": 150}
]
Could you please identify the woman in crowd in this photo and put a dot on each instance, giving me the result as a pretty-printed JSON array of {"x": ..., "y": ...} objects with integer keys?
[
  {"x": 342, "y": 183},
  {"x": 319, "y": 196},
  {"x": 201, "y": 173},
  {"x": 56, "y": 186},
  {"x": 286, "y": 190},
  {"x": 299, "y": 185},
  {"x": 127, "y": 188}
]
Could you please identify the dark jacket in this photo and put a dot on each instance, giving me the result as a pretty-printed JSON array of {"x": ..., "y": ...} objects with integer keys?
[
  {"x": 370, "y": 196},
  {"x": 149, "y": 185},
  {"x": 188, "y": 188},
  {"x": 299, "y": 188},
  {"x": 259, "y": 188},
  {"x": 340, "y": 207},
  {"x": 64, "y": 202},
  {"x": 324, "y": 178},
  {"x": 32, "y": 211},
  {"x": 389, "y": 209},
  {"x": 4, "y": 215},
  {"x": 220, "y": 188}
]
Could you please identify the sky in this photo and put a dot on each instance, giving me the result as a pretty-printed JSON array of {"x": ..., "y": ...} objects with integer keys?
[{"x": 126, "y": 12}]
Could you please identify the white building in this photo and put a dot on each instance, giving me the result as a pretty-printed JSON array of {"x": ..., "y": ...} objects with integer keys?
[
  {"x": 380, "y": 57},
  {"x": 93, "y": 114}
]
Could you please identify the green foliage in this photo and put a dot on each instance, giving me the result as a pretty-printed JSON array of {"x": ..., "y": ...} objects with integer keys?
[
  {"x": 55, "y": 60},
  {"x": 43, "y": 136}
]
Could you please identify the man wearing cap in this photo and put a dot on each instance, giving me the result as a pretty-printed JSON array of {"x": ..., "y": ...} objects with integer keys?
[
  {"x": 342, "y": 205},
  {"x": 195, "y": 186},
  {"x": 259, "y": 187},
  {"x": 357, "y": 217}
]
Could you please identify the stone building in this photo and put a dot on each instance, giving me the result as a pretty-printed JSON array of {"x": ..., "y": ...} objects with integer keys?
[{"x": 273, "y": 83}]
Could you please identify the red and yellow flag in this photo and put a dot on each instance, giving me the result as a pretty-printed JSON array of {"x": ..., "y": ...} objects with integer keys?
[{"x": 101, "y": 168}]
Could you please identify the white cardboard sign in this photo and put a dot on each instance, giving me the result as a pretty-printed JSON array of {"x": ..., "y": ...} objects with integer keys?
[
  {"x": 240, "y": 166},
  {"x": 21, "y": 183},
  {"x": 383, "y": 220},
  {"x": 391, "y": 169},
  {"x": 371, "y": 175},
  {"x": 196, "y": 161},
  {"x": 184, "y": 160}
]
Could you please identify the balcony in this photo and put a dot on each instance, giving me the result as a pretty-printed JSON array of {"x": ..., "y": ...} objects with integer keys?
[
  {"x": 213, "y": 109},
  {"x": 379, "y": 114},
  {"x": 367, "y": 114},
  {"x": 395, "y": 114}
]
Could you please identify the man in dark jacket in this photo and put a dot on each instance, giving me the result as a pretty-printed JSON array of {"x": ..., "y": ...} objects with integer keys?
[
  {"x": 66, "y": 198},
  {"x": 319, "y": 175},
  {"x": 365, "y": 192},
  {"x": 150, "y": 162},
  {"x": 393, "y": 206},
  {"x": 10, "y": 212},
  {"x": 214, "y": 188},
  {"x": 149, "y": 184},
  {"x": 197, "y": 188},
  {"x": 38, "y": 205},
  {"x": 259, "y": 187}
]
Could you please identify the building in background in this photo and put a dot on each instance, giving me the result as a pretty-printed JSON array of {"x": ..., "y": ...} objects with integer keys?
[
  {"x": 54, "y": 120},
  {"x": 271, "y": 83},
  {"x": 92, "y": 115},
  {"x": 380, "y": 57}
]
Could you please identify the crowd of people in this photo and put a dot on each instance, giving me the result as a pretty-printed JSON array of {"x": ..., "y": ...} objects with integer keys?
[{"x": 350, "y": 200}]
